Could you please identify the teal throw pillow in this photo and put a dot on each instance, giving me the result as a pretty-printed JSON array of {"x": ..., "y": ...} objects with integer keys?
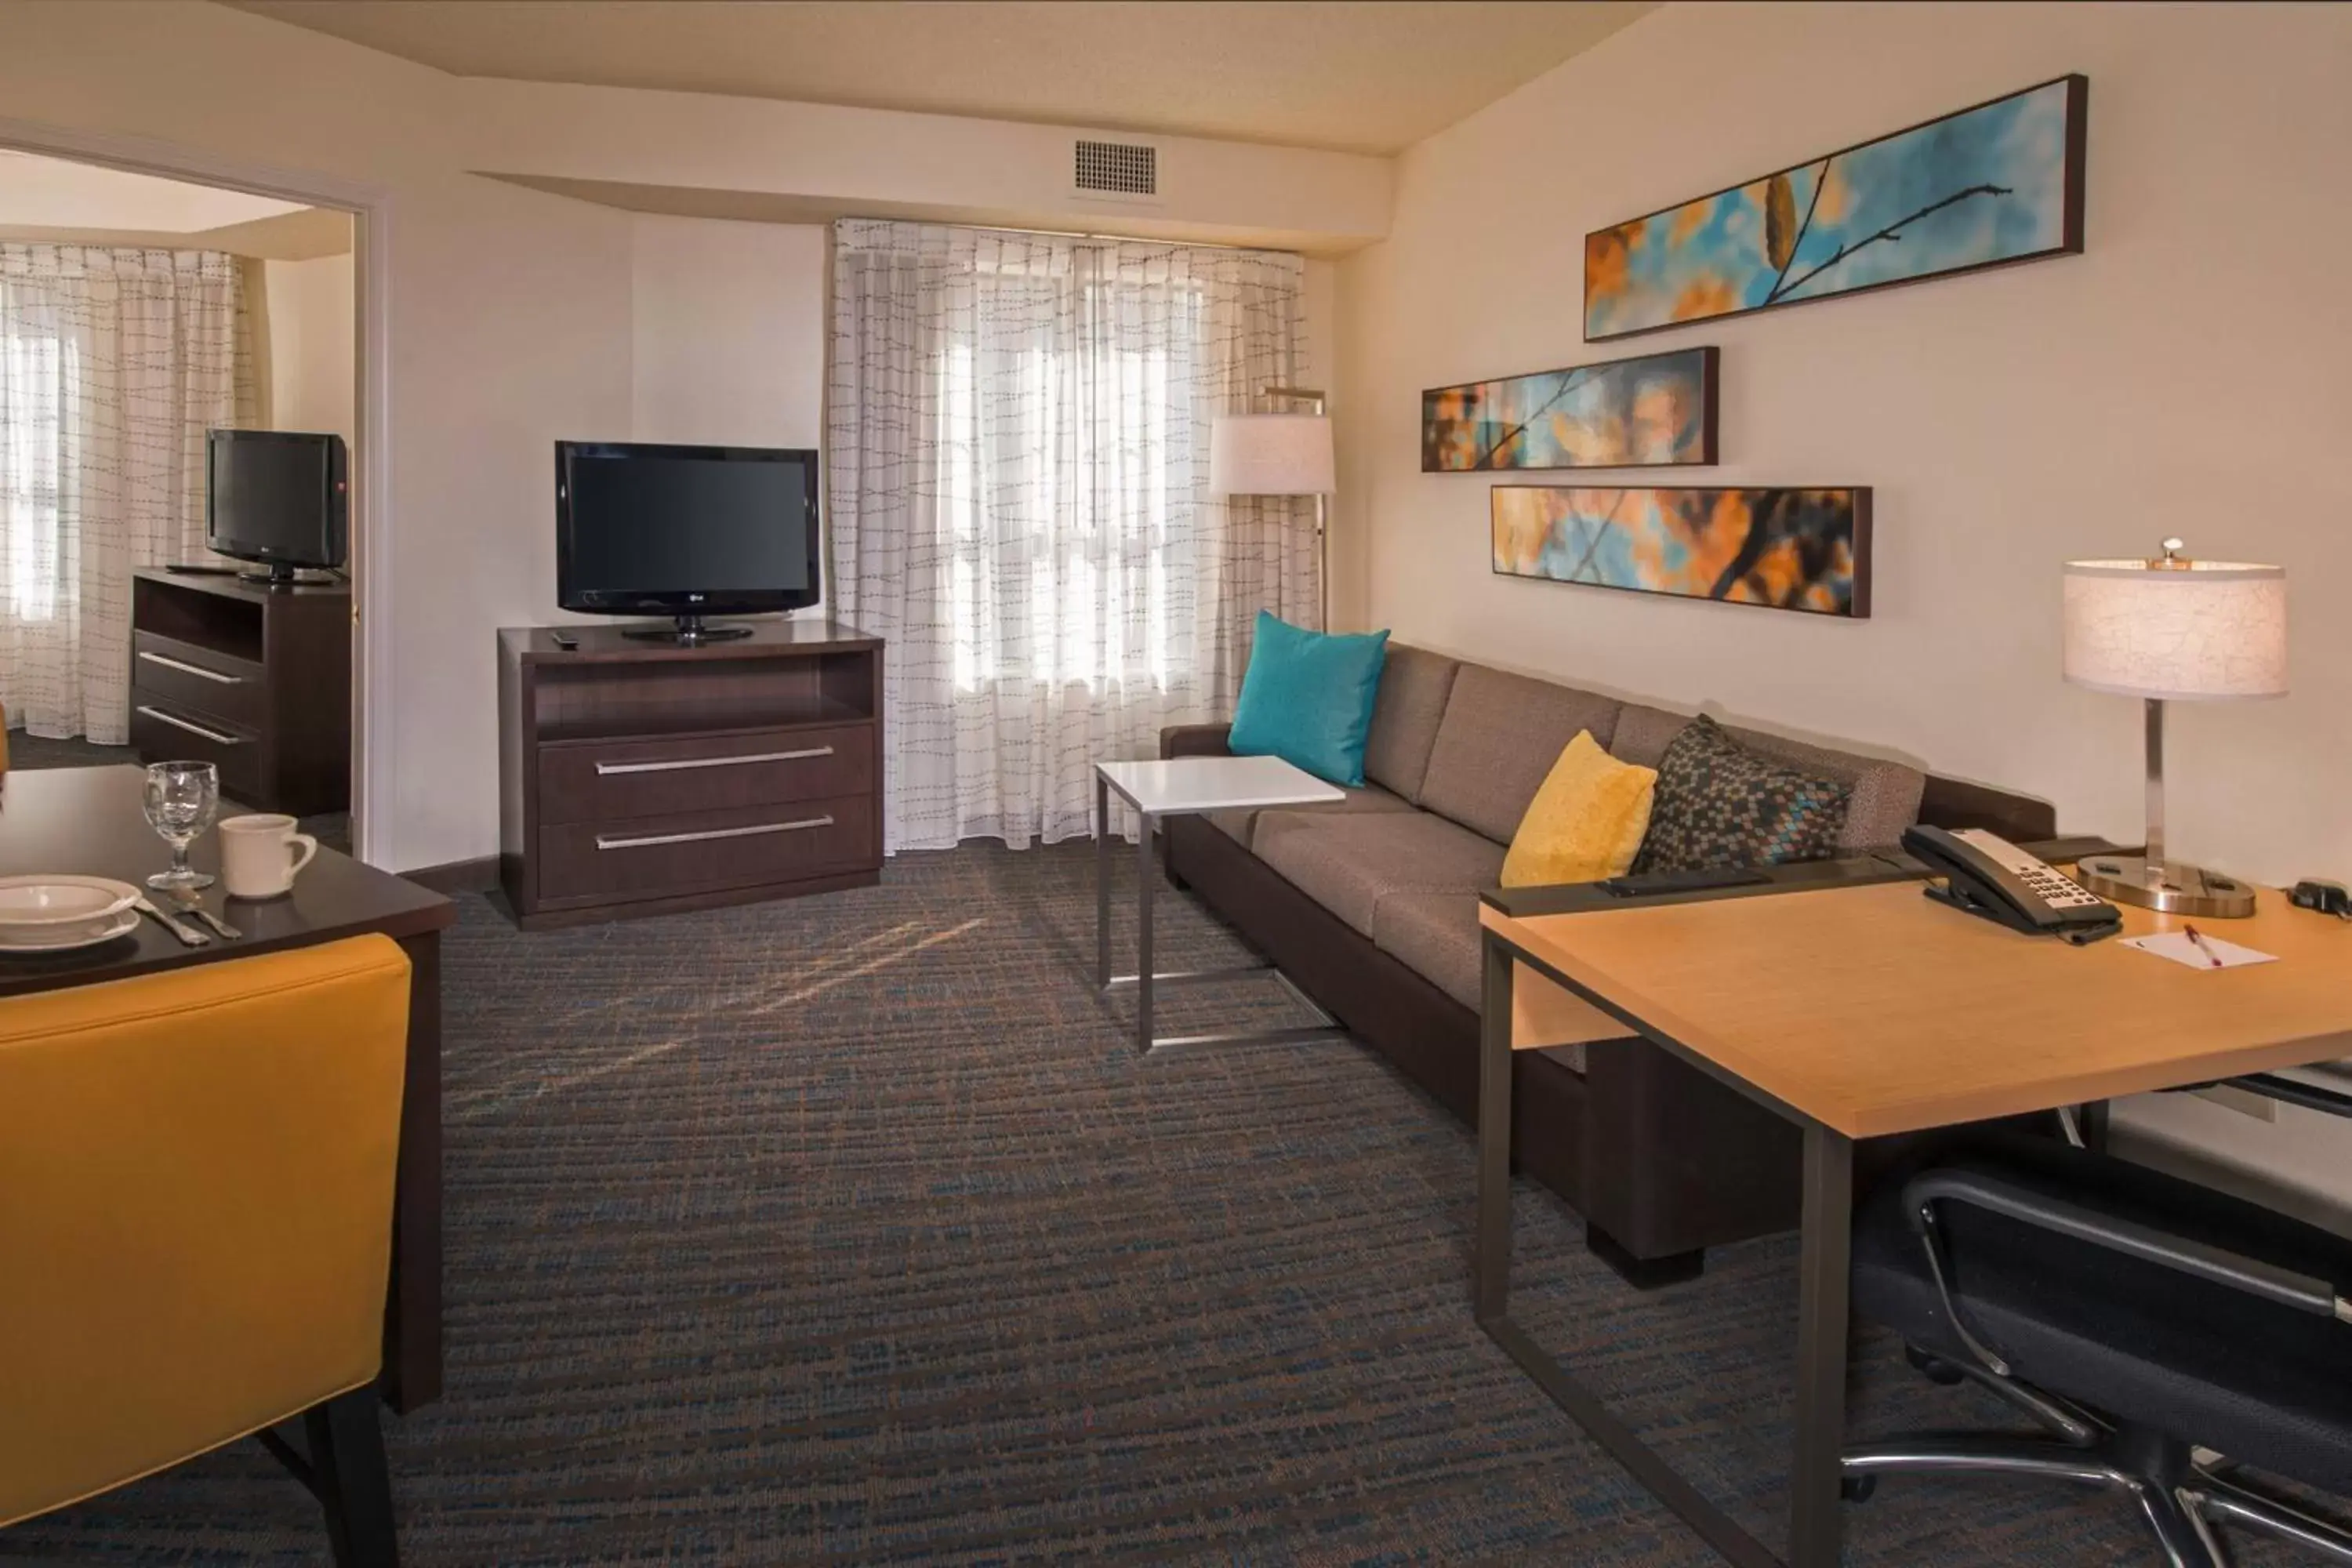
[{"x": 1307, "y": 697}]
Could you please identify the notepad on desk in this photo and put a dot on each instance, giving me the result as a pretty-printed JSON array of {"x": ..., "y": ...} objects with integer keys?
[{"x": 2203, "y": 952}]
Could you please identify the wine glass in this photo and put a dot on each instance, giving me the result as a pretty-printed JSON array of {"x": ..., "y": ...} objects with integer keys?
[{"x": 182, "y": 799}]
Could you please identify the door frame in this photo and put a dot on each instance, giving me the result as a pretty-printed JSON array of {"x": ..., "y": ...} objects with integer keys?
[{"x": 371, "y": 209}]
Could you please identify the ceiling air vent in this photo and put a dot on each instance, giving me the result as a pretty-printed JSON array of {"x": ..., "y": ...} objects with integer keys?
[{"x": 1125, "y": 171}]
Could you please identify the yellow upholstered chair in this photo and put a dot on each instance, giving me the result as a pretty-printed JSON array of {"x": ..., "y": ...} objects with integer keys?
[{"x": 195, "y": 1226}]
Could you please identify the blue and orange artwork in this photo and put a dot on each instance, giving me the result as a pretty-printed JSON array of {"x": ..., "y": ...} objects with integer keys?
[
  {"x": 1783, "y": 549},
  {"x": 1998, "y": 184},
  {"x": 1654, "y": 411}
]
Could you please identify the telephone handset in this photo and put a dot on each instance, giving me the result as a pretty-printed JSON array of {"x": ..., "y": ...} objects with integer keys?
[{"x": 1987, "y": 875}]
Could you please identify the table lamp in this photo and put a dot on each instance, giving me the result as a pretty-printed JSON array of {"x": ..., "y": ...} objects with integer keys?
[
  {"x": 2173, "y": 630},
  {"x": 1279, "y": 455}
]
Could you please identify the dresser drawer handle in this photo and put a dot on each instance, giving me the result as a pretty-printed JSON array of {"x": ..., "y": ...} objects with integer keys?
[
  {"x": 185, "y": 669},
  {"x": 650, "y": 839},
  {"x": 602, "y": 769},
  {"x": 163, "y": 718}
]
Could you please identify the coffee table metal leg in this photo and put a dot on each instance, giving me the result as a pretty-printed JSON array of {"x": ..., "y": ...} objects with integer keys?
[
  {"x": 1143, "y": 975},
  {"x": 1102, "y": 882}
]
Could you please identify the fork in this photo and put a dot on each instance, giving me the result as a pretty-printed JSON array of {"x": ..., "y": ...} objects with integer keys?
[{"x": 191, "y": 903}]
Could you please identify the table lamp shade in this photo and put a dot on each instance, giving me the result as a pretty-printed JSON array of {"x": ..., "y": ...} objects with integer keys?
[
  {"x": 2186, "y": 631},
  {"x": 1270, "y": 454}
]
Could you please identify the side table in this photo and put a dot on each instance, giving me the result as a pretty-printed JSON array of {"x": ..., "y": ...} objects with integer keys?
[{"x": 1178, "y": 786}]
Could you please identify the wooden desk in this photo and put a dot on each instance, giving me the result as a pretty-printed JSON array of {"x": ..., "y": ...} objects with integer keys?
[
  {"x": 90, "y": 821},
  {"x": 1855, "y": 1012}
]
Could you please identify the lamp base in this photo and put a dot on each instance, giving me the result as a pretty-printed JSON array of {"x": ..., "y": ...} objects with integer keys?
[{"x": 2169, "y": 888}]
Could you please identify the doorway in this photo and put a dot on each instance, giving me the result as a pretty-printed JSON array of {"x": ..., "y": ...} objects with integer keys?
[{"x": 144, "y": 310}]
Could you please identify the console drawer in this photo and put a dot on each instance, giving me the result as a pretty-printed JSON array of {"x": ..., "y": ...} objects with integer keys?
[
  {"x": 609, "y": 781},
  {"x": 656, "y": 857},
  {"x": 163, "y": 730},
  {"x": 197, "y": 680}
]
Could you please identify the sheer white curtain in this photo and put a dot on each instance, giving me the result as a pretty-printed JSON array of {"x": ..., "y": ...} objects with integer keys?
[
  {"x": 1017, "y": 461},
  {"x": 113, "y": 363}
]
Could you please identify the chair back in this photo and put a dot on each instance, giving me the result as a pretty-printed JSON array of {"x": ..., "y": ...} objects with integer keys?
[{"x": 196, "y": 1208}]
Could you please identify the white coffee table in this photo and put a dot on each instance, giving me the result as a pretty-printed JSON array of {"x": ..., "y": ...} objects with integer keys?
[{"x": 1185, "y": 786}]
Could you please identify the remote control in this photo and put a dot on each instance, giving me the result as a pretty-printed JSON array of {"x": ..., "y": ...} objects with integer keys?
[{"x": 566, "y": 641}]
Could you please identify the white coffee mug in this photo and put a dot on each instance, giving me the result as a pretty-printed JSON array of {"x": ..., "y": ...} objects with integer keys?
[{"x": 260, "y": 854}]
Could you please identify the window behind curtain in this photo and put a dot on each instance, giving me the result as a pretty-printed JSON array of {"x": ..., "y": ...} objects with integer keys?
[{"x": 1018, "y": 473}]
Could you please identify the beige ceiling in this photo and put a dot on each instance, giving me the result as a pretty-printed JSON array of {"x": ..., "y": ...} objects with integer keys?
[
  {"x": 1362, "y": 76},
  {"x": 62, "y": 202}
]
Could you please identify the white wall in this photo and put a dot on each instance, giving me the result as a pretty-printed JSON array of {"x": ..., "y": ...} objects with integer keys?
[
  {"x": 511, "y": 328},
  {"x": 729, "y": 325},
  {"x": 313, "y": 331},
  {"x": 729, "y": 333},
  {"x": 2184, "y": 376}
]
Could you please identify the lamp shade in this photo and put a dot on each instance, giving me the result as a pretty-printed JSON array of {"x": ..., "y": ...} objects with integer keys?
[
  {"x": 1270, "y": 454},
  {"x": 2179, "y": 631}
]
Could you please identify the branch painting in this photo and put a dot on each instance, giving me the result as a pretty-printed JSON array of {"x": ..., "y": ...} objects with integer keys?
[
  {"x": 1988, "y": 186},
  {"x": 1657, "y": 410},
  {"x": 1783, "y": 549}
]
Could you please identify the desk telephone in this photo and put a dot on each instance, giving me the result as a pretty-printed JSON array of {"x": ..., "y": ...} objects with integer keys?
[{"x": 1987, "y": 875}]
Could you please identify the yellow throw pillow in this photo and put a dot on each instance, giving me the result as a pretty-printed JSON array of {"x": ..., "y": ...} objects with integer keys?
[{"x": 1585, "y": 823}]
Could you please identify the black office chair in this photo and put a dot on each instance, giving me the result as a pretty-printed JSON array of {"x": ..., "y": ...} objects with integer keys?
[{"x": 2160, "y": 1333}]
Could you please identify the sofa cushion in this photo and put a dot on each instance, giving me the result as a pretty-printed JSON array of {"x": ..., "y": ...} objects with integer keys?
[
  {"x": 1585, "y": 823},
  {"x": 1645, "y": 732},
  {"x": 1718, "y": 804},
  {"x": 1307, "y": 697},
  {"x": 1500, "y": 736},
  {"x": 1241, "y": 825},
  {"x": 1885, "y": 795},
  {"x": 1884, "y": 798},
  {"x": 1413, "y": 687},
  {"x": 1348, "y": 863},
  {"x": 1435, "y": 935}
]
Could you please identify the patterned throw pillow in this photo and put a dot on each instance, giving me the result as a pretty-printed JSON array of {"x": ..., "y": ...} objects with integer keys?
[{"x": 1718, "y": 804}]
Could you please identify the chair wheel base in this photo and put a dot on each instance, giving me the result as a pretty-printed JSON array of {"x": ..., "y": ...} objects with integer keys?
[{"x": 1857, "y": 1489}]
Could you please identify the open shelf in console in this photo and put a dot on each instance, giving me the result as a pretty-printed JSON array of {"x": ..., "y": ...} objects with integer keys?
[
  {"x": 219, "y": 614},
  {"x": 602, "y": 700}
]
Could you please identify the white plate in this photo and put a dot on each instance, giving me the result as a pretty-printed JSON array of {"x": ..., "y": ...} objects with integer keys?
[
  {"x": 30, "y": 906},
  {"x": 65, "y": 938}
]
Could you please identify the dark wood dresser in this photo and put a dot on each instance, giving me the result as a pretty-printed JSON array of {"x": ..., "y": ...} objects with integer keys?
[
  {"x": 257, "y": 680},
  {"x": 639, "y": 778}
]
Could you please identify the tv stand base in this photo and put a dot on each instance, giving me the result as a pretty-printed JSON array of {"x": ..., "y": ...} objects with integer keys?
[{"x": 690, "y": 631}]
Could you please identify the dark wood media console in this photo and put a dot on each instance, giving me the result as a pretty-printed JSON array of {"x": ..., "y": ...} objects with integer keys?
[
  {"x": 255, "y": 680},
  {"x": 639, "y": 778}
]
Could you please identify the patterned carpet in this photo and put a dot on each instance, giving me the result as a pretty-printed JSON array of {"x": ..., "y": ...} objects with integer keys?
[{"x": 851, "y": 1230}]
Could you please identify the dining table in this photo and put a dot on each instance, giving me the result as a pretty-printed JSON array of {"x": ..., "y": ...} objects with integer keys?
[{"x": 91, "y": 821}]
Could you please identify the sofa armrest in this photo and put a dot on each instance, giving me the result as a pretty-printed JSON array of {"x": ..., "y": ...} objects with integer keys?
[{"x": 1194, "y": 741}]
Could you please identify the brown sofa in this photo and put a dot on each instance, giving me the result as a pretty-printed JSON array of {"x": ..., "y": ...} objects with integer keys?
[{"x": 1370, "y": 907}]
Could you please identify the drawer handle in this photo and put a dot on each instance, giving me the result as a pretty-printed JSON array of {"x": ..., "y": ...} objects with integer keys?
[
  {"x": 186, "y": 668},
  {"x": 163, "y": 718},
  {"x": 603, "y": 769},
  {"x": 650, "y": 839}
]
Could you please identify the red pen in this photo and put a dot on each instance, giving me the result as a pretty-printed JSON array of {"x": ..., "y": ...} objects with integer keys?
[{"x": 2211, "y": 957}]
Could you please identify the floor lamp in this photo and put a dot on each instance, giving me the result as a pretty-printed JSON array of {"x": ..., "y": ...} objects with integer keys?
[{"x": 1280, "y": 455}]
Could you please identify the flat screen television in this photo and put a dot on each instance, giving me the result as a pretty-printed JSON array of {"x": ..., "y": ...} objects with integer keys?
[
  {"x": 685, "y": 532},
  {"x": 279, "y": 498}
]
